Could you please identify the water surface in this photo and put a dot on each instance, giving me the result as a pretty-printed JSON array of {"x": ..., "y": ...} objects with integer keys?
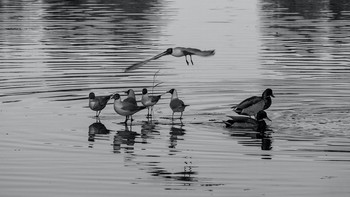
[{"x": 54, "y": 53}]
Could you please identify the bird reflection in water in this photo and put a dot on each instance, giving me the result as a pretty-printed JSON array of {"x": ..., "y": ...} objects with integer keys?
[
  {"x": 124, "y": 137},
  {"x": 97, "y": 130},
  {"x": 186, "y": 176},
  {"x": 253, "y": 138},
  {"x": 176, "y": 130},
  {"x": 148, "y": 129},
  {"x": 256, "y": 129}
]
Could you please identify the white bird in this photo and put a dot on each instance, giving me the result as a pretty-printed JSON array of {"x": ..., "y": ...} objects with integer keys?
[
  {"x": 176, "y": 52},
  {"x": 98, "y": 103},
  {"x": 176, "y": 104},
  {"x": 125, "y": 108},
  {"x": 149, "y": 101}
]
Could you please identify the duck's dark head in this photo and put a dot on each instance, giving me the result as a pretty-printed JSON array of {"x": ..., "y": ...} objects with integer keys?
[
  {"x": 267, "y": 93},
  {"x": 144, "y": 91},
  {"x": 261, "y": 115},
  {"x": 92, "y": 95}
]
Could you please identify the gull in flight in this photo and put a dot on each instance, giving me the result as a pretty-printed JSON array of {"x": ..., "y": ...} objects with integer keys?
[{"x": 176, "y": 52}]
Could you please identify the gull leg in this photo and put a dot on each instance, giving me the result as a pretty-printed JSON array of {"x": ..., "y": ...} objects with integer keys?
[
  {"x": 186, "y": 60},
  {"x": 181, "y": 116},
  {"x": 191, "y": 59}
]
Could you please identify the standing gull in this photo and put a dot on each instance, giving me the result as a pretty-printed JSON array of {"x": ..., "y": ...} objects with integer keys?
[
  {"x": 176, "y": 52},
  {"x": 98, "y": 103},
  {"x": 125, "y": 108},
  {"x": 131, "y": 97},
  {"x": 176, "y": 104},
  {"x": 149, "y": 101}
]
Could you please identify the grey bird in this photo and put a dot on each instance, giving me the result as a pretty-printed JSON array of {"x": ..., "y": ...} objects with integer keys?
[
  {"x": 252, "y": 105},
  {"x": 176, "y": 104},
  {"x": 247, "y": 122},
  {"x": 131, "y": 97},
  {"x": 149, "y": 101},
  {"x": 98, "y": 103}
]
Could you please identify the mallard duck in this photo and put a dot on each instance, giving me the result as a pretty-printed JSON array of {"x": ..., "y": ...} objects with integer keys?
[
  {"x": 252, "y": 105},
  {"x": 257, "y": 124}
]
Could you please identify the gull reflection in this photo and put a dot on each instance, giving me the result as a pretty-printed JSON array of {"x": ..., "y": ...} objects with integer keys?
[
  {"x": 176, "y": 130},
  {"x": 148, "y": 129},
  {"x": 124, "y": 137},
  {"x": 97, "y": 130}
]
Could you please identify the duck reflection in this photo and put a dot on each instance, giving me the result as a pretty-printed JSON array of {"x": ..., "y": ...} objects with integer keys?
[
  {"x": 97, "y": 130},
  {"x": 176, "y": 131},
  {"x": 124, "y": 137},
  {"x": 256, "y": 130}
]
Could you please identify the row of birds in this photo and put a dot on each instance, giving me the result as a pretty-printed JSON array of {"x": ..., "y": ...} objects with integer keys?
[
  {"x": 129, "y": 107},
  {"x": 251, "y": 110}
]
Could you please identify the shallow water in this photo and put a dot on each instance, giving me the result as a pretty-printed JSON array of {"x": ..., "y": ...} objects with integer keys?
[{"x": 55, "y": 52}]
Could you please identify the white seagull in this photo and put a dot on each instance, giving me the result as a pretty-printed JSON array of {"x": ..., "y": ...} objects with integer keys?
[
  {"x": 125, "y": 108},
  {"x": 149, "y": 101},
  {"x": 176, "y": 52}
]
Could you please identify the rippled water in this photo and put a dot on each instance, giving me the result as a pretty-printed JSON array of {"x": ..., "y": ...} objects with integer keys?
[{"x": 53, "y": 53}]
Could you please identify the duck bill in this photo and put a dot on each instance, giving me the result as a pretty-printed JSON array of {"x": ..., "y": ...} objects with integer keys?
[{"x": 160, "y": 55}]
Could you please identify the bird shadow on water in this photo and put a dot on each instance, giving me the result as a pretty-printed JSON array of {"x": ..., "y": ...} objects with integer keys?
[
  {"x": 98, "y": 131},
  {"x": 251, "y": 138},
  {"x": 176, "y": 131},
  {"x": 124, "y": 137}
]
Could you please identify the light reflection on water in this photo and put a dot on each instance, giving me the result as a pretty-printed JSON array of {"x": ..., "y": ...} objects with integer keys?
[{"x": 55, "y": 52}]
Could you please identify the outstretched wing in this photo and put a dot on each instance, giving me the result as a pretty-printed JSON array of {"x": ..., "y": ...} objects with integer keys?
[
  {"x": 194, "y": 51},
  {"x": 137, "y": 65}
]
